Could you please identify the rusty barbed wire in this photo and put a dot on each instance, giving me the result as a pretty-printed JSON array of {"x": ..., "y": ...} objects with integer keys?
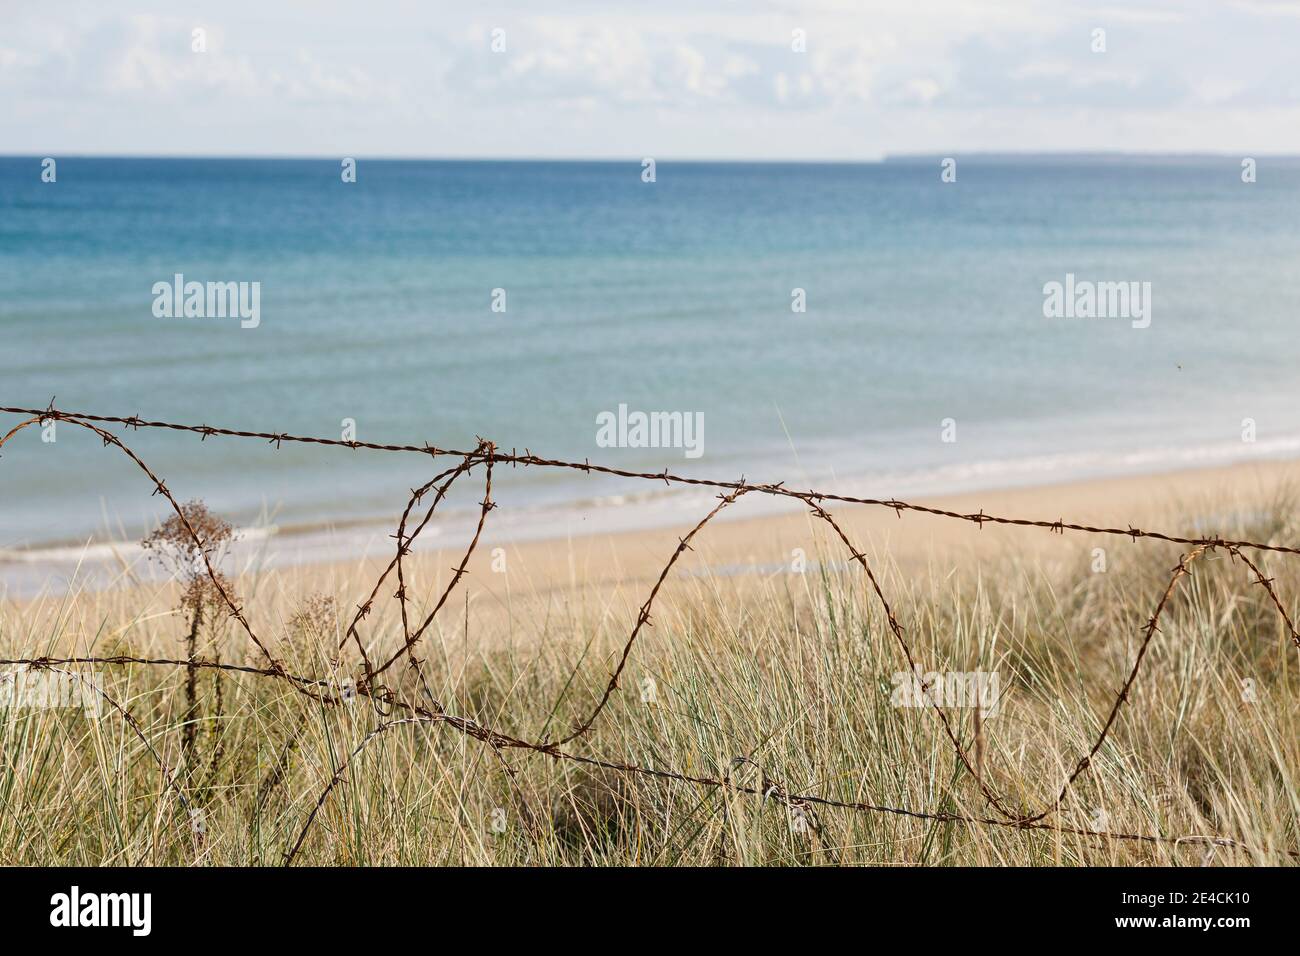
[{"x": 486, "y": 454}]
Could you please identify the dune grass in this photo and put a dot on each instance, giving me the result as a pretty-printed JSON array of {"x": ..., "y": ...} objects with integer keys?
[{"x": 781, "y": 680}]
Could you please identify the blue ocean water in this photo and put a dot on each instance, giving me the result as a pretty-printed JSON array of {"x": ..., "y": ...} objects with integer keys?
[{"x": 924, "y": 303}]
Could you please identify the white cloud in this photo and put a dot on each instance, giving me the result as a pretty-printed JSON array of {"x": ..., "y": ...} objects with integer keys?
[{"x": 698, "y": 77}]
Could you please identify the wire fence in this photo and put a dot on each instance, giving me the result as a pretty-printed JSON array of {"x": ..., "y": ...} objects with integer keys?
[{"x": 426, "y": 709}]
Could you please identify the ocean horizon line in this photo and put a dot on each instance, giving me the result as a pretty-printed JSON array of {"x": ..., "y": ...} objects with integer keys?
[{"x": 880, "y": 160}]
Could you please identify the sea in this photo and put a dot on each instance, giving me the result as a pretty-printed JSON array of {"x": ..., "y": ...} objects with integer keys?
[{"x": 884, "y": 329}]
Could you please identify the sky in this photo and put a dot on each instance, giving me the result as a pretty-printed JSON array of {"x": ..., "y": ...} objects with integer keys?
[{"x": 671, "y": 79}]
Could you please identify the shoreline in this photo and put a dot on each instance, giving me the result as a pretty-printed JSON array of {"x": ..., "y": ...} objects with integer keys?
[
  {"x": 339, "y": 497},
  {"x": 758, "y": 531}
]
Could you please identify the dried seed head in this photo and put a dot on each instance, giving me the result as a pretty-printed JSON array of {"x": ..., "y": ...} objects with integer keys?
[{"x": 174, "y": 545}]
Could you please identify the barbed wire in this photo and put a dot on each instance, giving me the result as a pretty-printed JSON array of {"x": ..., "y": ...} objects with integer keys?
[{"x": 487, "y": 455}]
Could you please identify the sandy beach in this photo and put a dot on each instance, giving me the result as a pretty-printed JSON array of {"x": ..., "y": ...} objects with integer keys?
[
  {"x": 735, "y": 547},
  {"x": 734, "y": 551},
  {"x": 735, "y": 544}
]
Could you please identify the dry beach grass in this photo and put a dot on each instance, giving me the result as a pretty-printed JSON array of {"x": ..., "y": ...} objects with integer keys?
[{"x": 779, "y": 682}]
